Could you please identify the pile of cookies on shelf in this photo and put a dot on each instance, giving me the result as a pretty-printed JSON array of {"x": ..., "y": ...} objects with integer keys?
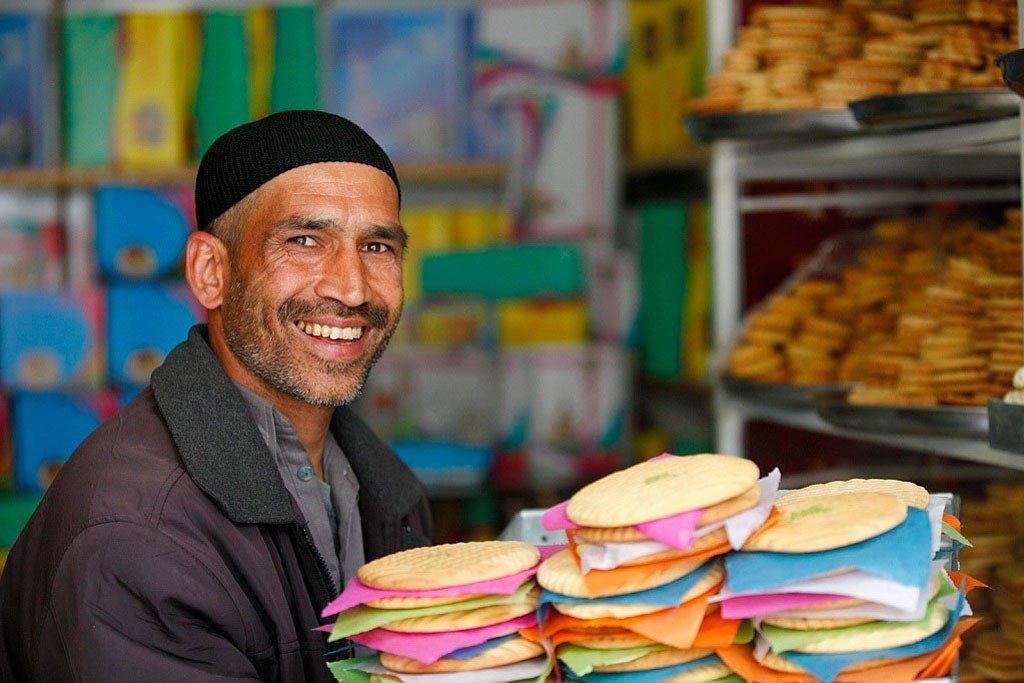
[
  {"x": 926, "y": 313},
  {"x": 996, "y": 522},
  {"x": 824, "y": 55}
]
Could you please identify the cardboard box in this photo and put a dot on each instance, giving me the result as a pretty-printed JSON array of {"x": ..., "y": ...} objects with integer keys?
[
  {"x": 507, "y": 271},
  {"x": 646, "y": 100},
  {"x": 27, "y": 79},
  {"x": 567, "y": 179},
  {"x": 140, "y": 233},
  {"x": 430, "y": 229},
  {"x": 91, "y": 71},
  {"x": 613, "y": 294},
  {"x": 294, "y": 83},
  {"x": 31, "y": 244},
  {"x": 156, "y": 88},
  {"x": 573, "y": 399},
  {"x": 664, "y": 280},
  {"x": 556, "y": 35},
  {"x": 434, "y": 394},
  {"x": 48, "y": 427},
  {"x": 552, "y": 321},
  {"x": 145, "y": 321},
  {"x": 52, "y": 341},
  {"x": 685, "y": 65},
  {"x": 403, "y": 74}
]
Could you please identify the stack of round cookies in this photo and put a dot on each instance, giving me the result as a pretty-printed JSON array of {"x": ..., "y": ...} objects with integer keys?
[
  {"x": 997, "y": 558},
  {"x": 825, "y": 55},
  {"x": 926, "y": 311},
  {"x": 452, "y": 611},
  {"x": 846, "y": 580},
  {"x": 630, "y": 594}
]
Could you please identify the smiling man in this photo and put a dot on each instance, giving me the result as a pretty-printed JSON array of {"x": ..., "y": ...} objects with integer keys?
[{"x": 197, "y": 534}]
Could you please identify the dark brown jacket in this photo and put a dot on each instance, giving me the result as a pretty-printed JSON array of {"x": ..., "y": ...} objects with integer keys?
[{"x": 167, "y": 549}]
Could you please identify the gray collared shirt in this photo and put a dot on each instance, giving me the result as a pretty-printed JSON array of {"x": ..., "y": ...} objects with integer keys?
[{"x": 331, "y": 506}]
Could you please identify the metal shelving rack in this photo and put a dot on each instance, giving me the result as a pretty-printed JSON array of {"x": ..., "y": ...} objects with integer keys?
[{"x": 987, "y": 150}]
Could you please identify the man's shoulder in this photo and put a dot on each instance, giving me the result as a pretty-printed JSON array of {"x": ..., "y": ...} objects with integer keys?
[{"x": 120, "y": 470}]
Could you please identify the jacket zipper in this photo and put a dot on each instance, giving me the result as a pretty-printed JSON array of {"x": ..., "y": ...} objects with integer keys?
[
  {"x": 325, "y": 572},
  {"x": 343, "y": 650}
]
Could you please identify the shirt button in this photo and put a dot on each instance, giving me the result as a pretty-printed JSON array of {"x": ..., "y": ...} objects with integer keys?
[{"x": 305, "y": 473}]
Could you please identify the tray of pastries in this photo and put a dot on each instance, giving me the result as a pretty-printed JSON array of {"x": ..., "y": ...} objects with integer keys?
[
  {"x": 799, "y": 66},
  {"x": 921, "y": 312}
]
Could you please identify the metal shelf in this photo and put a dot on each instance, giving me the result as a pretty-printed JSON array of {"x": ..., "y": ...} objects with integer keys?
[
  {"x": 464, "y": 173},
  {"x": 987, "y": 149},
  {"x": 966, "y": 449}
]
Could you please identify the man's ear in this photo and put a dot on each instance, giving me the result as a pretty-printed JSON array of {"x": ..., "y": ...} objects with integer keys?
[{"x": 207, "y": 268}]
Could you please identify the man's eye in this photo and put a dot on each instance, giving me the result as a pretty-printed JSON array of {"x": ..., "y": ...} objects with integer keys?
[
  {"x": 378, "y": 247},
  {"x": 303, "y": 240}
]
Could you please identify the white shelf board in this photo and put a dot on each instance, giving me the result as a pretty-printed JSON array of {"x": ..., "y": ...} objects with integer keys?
[
  {"x": 960, "y": 448},
  {"x": 987, "y": 149}
]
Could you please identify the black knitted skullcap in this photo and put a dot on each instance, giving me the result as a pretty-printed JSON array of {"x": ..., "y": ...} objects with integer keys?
[{"x": 245, "y": 157}]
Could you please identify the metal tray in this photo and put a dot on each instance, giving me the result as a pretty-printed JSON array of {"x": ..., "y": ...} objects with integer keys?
[
  {"x": 912, "y": 110},
  {"x": 779, "y": 393},
  {"x": 768, "y": 125},
  {"x": 1012, "y": 64},
  {"x": 930, "y": 421}
]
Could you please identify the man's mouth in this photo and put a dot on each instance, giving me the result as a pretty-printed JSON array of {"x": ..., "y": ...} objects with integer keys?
[{"x": 330, "y": 331}]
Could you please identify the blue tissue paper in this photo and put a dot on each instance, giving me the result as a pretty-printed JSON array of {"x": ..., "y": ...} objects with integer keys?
[{"x": 902, "y": 554}]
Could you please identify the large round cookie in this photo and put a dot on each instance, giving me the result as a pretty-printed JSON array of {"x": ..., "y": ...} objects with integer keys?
[
  {"x": 559, "y": 574},
  {"x": 509, "y": 652},
  {"x": 413, "y": 602},
  {"x": 599, "y": 643},
  {"x": 465, "y": 620},
  {"x": 896, "y": 636},
  {"x": 911, "y": 494},
  {"x": 657, "y": 660},
  {"x": 829, "y": 522},
  {"x": 661, "y": 488},
  {"x": 715, "y": 513},
  {"x": 453, "y": 564}
]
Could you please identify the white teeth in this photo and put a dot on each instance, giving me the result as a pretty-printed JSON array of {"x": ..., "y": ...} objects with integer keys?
[{"x": 329, "y": 332}]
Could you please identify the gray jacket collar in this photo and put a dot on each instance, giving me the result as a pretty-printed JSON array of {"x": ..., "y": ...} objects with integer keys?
[{"x": 226, "y": 456}]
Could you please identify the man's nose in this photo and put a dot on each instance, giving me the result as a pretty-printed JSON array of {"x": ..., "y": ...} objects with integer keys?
[{"x": 344, "y": 278}]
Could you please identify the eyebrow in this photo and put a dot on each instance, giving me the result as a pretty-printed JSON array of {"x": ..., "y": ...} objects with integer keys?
[{"x": 395, "y": 233}]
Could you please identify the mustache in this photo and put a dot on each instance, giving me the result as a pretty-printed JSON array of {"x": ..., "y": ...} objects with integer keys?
[{"x": 296, "y": 309}]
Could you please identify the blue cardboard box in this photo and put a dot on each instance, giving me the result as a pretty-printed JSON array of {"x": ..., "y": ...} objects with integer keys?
[
  {"x": 51, "y": 341},
  {"x": 140, "y": 233},
  {"x": 48, "y": 427},
  {"x": 404, "y": 75},
  {"x": 26, "y": 125},
  {"x": 145, "y": 321}
]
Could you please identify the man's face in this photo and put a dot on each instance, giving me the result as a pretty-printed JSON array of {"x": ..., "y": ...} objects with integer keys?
[{"x": 315, "y": 288}]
